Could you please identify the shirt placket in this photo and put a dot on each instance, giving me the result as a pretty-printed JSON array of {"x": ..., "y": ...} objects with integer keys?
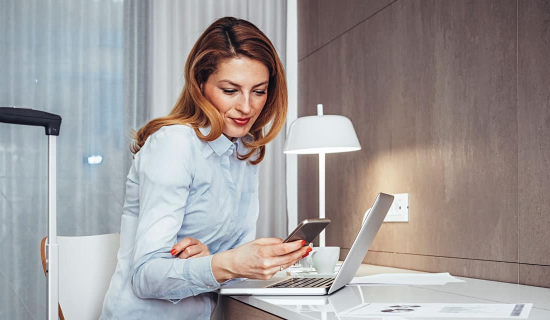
[{"x": 225, "y": 164}]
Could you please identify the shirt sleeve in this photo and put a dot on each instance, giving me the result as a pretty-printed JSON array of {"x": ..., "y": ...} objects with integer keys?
[{"x": 165, "y": 169}]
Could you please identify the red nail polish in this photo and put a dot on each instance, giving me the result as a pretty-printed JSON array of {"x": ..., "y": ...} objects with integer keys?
[
  {"x": 305, "y": 255},
  {"x": 173, "y": 252},
  {"x": 309, "y": 250},
  {"x": 303, "y": 243}
]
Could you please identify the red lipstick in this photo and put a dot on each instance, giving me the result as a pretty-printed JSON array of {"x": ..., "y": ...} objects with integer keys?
[{"x": 241, "y": 121}]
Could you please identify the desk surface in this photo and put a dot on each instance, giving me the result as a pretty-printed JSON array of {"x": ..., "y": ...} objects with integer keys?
[{"x": 470, "y": 291}]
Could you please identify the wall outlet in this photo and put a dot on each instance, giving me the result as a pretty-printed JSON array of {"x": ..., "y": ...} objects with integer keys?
[{"x": 399, "y": 211}]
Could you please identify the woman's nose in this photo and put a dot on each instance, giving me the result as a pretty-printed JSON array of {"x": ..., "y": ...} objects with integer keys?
[{"x": 245, "y": 105}]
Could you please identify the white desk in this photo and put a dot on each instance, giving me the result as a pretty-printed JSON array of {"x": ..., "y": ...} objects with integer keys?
[{"x": 328, "y": 307}]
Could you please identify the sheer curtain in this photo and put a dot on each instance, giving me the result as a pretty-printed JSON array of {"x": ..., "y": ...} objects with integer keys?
[
  {"x": 106, "y": 67},
  {"x": 64, "y": 57}
]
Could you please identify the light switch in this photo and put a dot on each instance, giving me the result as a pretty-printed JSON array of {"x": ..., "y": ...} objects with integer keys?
[{"x": 399, "y": 211}]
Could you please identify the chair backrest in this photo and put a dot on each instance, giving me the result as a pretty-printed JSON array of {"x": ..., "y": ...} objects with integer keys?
[{"x": 86, "y": 265}]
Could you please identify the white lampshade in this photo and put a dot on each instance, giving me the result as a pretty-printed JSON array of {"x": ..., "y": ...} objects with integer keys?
[{"x": 321, "y": 134}]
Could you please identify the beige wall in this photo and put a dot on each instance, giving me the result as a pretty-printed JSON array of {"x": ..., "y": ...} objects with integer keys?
[{"x": 451, "y": 103}]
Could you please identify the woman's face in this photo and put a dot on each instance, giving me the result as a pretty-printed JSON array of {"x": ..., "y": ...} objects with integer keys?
[{"x": 238, "y": 89}]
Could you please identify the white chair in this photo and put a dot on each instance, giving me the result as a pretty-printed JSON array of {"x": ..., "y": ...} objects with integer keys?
[{"x": 86, "y": 265}]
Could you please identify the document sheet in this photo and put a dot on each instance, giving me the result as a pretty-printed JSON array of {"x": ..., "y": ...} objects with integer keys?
[
  {"x": 418, "y": 279},
  {"x": 439, "y": 310}
]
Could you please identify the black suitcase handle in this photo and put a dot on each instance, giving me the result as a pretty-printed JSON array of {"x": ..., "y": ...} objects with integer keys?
[{"x": 51, "y": 122}]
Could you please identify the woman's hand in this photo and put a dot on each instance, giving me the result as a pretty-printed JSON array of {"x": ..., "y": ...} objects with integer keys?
[
  {"x": 258, "y": 259},
  {"x": 190, "y": 248}
]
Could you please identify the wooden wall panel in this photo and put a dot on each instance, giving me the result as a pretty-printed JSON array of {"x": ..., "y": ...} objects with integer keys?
[{"x": 449, "y": 108}]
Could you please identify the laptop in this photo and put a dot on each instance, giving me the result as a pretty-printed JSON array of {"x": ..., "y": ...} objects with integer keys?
[{"x": 321, "y": 286}]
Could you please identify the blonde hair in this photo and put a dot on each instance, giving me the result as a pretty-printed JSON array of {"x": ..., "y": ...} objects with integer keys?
[{"x": 226, "y": 38}]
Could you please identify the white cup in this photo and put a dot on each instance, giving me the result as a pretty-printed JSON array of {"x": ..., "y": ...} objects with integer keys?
[
  {"x": 306, "y": 263},
  {"x": 325, "y": 259}
]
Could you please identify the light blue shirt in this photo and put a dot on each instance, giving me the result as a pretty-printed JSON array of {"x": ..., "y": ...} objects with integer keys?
[{"x": 180, "y": 186}]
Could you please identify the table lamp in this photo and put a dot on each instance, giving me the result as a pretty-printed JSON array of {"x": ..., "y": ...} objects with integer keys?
[{"x": 321, "y": 134}]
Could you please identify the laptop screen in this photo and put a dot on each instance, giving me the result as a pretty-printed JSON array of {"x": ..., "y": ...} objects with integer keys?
[{"x": 362, "y": 242}]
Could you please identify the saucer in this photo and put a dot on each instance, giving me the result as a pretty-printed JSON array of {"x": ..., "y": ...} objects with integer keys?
[{"x": 311, "y": 272}]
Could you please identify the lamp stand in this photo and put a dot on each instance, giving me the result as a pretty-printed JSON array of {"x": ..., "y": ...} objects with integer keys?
[{"x": 322, "y": 195}]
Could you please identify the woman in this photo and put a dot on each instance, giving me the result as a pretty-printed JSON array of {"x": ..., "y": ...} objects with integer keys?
[{"x": 192, "y": 190}]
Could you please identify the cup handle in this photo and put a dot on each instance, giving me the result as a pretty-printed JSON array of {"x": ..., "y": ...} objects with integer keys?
[{"x": 310, "y": 258}]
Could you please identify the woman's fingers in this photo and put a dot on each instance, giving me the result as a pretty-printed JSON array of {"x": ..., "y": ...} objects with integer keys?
[
  {"x": 262, "y": 258},
  {"x": 291, "y": 258},
  {"x": 180, "y": 246},
  {"x": 286, "y": 260},
  {"x": 283, "y": 254},
  {"x": 288, "y": 265},
  {"x": 286, "y": 248},
  {"x": 190, "y": 251},
  {"x": 272, "y": 271}
]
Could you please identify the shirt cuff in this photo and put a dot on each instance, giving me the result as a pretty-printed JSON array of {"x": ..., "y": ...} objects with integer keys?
[{"x": 199, "y": 272}]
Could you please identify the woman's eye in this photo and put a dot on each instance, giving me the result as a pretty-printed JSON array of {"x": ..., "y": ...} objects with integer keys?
[
  {"x": 260, "y": 93},
  {"x": 229, "y": 91}
]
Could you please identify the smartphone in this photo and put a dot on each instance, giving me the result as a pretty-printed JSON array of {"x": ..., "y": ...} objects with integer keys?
[{"x": 308, "y": 230}]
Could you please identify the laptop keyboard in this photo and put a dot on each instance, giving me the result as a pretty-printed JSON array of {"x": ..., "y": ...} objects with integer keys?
[{"x": 303, "y": 283}]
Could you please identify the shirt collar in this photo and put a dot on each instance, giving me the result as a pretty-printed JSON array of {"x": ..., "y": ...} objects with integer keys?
[
  {"x": 241, "y": 149},
  {"x": 220, "y": 145}
]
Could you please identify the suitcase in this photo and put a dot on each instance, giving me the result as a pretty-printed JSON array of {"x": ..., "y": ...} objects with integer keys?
[{"x": 52, "y": 124}]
